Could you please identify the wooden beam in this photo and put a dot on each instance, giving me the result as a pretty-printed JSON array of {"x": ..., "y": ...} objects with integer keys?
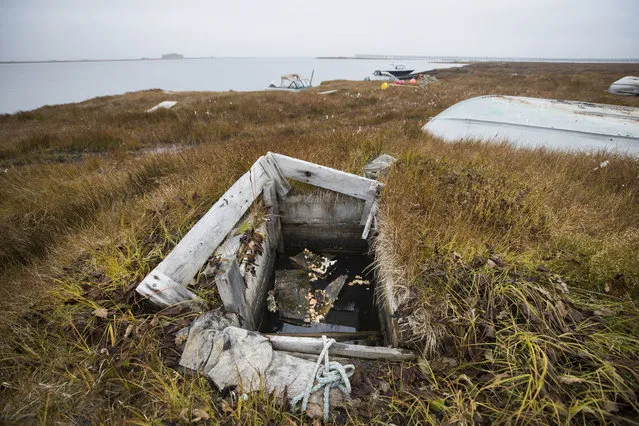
[
  {"x": 314, "y": 346},
  {"x": 231, "y": 287},
  {"x": 257, "y": 285},
  {"x": 337, "y": 335},
  {"x": 369, "y": 221},
  {"x": 281, "y": 183},
  {"x": 270, "y": 201},
  {"x": 325, "y": 177},
  {"x": 374, "y": 194}
]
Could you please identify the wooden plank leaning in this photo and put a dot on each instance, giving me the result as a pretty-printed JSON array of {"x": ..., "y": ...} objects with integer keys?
[{"x": 181, "y": 265}]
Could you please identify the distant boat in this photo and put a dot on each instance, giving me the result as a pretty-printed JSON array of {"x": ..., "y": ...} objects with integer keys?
[
  {"x": 292, "y": 83},
  {"x": 625, "y": 86},
  {"x": 532, "y": 122},
  {"x": 394, "y": 70}
]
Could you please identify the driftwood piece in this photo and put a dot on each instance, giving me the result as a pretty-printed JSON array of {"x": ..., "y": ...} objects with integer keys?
[{"x": 314, "y": 346}]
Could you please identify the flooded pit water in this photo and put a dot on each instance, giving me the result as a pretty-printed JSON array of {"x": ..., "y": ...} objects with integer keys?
[{"x": 354, "y": 310}]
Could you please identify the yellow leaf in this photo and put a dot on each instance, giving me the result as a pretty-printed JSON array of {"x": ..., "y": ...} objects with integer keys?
[{"x": 100, "y": 312}]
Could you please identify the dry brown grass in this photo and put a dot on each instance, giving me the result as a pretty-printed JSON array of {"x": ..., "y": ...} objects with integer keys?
[{"x": 484, "y": 237}]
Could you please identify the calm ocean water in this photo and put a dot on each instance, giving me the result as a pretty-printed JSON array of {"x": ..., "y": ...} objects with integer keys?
[{"x": 27, "y": 86}]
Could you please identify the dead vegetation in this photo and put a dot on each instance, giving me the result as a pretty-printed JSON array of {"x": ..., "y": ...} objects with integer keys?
[{"x": 517, "y": 268}]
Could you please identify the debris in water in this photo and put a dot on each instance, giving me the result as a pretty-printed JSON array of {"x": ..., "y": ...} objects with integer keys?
[
  {"x": 359, "y": 281},
  {"x": 333, "y": 289},
  {"x": 291, "y": 290},
  {"x": 314, "y": 262},
  {"x": 271, "y": 304}
]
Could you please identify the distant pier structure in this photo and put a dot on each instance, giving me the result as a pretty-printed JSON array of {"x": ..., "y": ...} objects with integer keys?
[{"x": 172, "y": 56}]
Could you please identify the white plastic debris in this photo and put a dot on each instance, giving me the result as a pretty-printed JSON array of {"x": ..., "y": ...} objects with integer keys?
[{"x": 163, "y": 105}]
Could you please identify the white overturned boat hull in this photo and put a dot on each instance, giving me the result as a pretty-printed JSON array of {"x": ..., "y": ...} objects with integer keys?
[
  {"x": 532, "y": 122},
  {"x": 625, "y": 86}
]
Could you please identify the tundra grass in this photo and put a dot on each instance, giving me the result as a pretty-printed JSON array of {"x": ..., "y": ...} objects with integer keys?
[{"x": 516, "y": 270}]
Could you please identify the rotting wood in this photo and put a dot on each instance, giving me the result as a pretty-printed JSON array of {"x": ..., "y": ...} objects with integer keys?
[
  {"x": 315, "y": 346},
  {"x": 231, "y": 286},
  {"x": 272, "y": 205},
  {"x": 325, "y": 177},
  {"x": 257, "y": 282}
]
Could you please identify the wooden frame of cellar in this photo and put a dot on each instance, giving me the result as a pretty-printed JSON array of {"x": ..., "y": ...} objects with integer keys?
[{"x": 216, "y": 235}]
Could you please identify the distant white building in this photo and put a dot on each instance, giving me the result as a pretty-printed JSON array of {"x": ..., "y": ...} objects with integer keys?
[{"x": 172, "y": 56}]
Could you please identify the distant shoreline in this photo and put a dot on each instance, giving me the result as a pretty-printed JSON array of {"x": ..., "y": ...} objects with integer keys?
[
  {"x": 469, "y": 59},
  {"x": 436, "y": 59},
  {"x": 55, "y": 61}
]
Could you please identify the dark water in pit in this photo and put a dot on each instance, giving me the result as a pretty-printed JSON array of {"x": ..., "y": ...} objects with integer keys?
[{"x": 354, "y": 310}]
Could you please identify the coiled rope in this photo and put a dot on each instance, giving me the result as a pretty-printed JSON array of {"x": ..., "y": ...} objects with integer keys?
[{"x": 334, "y": 375}]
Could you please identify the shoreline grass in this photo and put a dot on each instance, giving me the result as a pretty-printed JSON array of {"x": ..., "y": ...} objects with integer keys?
[{"x": 518, "y": 267}]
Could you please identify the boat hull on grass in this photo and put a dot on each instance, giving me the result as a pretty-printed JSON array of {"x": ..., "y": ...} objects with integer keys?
[
  {"x": 625, "y": 86},
  {"x": 533, "y": 122}
]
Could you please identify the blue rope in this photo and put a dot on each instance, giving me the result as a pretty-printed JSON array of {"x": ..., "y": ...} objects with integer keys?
[{"x": 334, "y": 375}]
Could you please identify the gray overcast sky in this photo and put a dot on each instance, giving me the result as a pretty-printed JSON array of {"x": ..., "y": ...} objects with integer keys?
[{"x": 79, "y": 29}]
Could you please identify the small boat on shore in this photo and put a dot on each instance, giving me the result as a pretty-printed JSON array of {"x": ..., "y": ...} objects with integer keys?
[
  {"x": 532, "y": 122},
  {"x": 628, "y": 85},
  {"x": 292, "y": 83},
  {"x": 394, "y": 70}
]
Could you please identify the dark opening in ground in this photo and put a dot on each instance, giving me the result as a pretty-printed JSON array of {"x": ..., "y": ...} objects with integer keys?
[{"x": 354, "y": 309}]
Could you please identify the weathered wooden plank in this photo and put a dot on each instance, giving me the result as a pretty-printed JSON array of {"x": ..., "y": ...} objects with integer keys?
[
  {"x": 315, "y": 346},
  {"x": 366, "y": 211},
  {"x": 231, "y": 286},
  {"x": 337, "y": 335},
  {"x": 257, "y": 285},
  {"x": 370, "y": 220},
  {"x": 325, "y": 237},
  {"x": 270, "y": 201},
  {"x": 321, "y": 206},
  {"x": 185, "y": 260},
  {"x": 162, "y": 290},
  {"x": 325, "y": 177}
]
